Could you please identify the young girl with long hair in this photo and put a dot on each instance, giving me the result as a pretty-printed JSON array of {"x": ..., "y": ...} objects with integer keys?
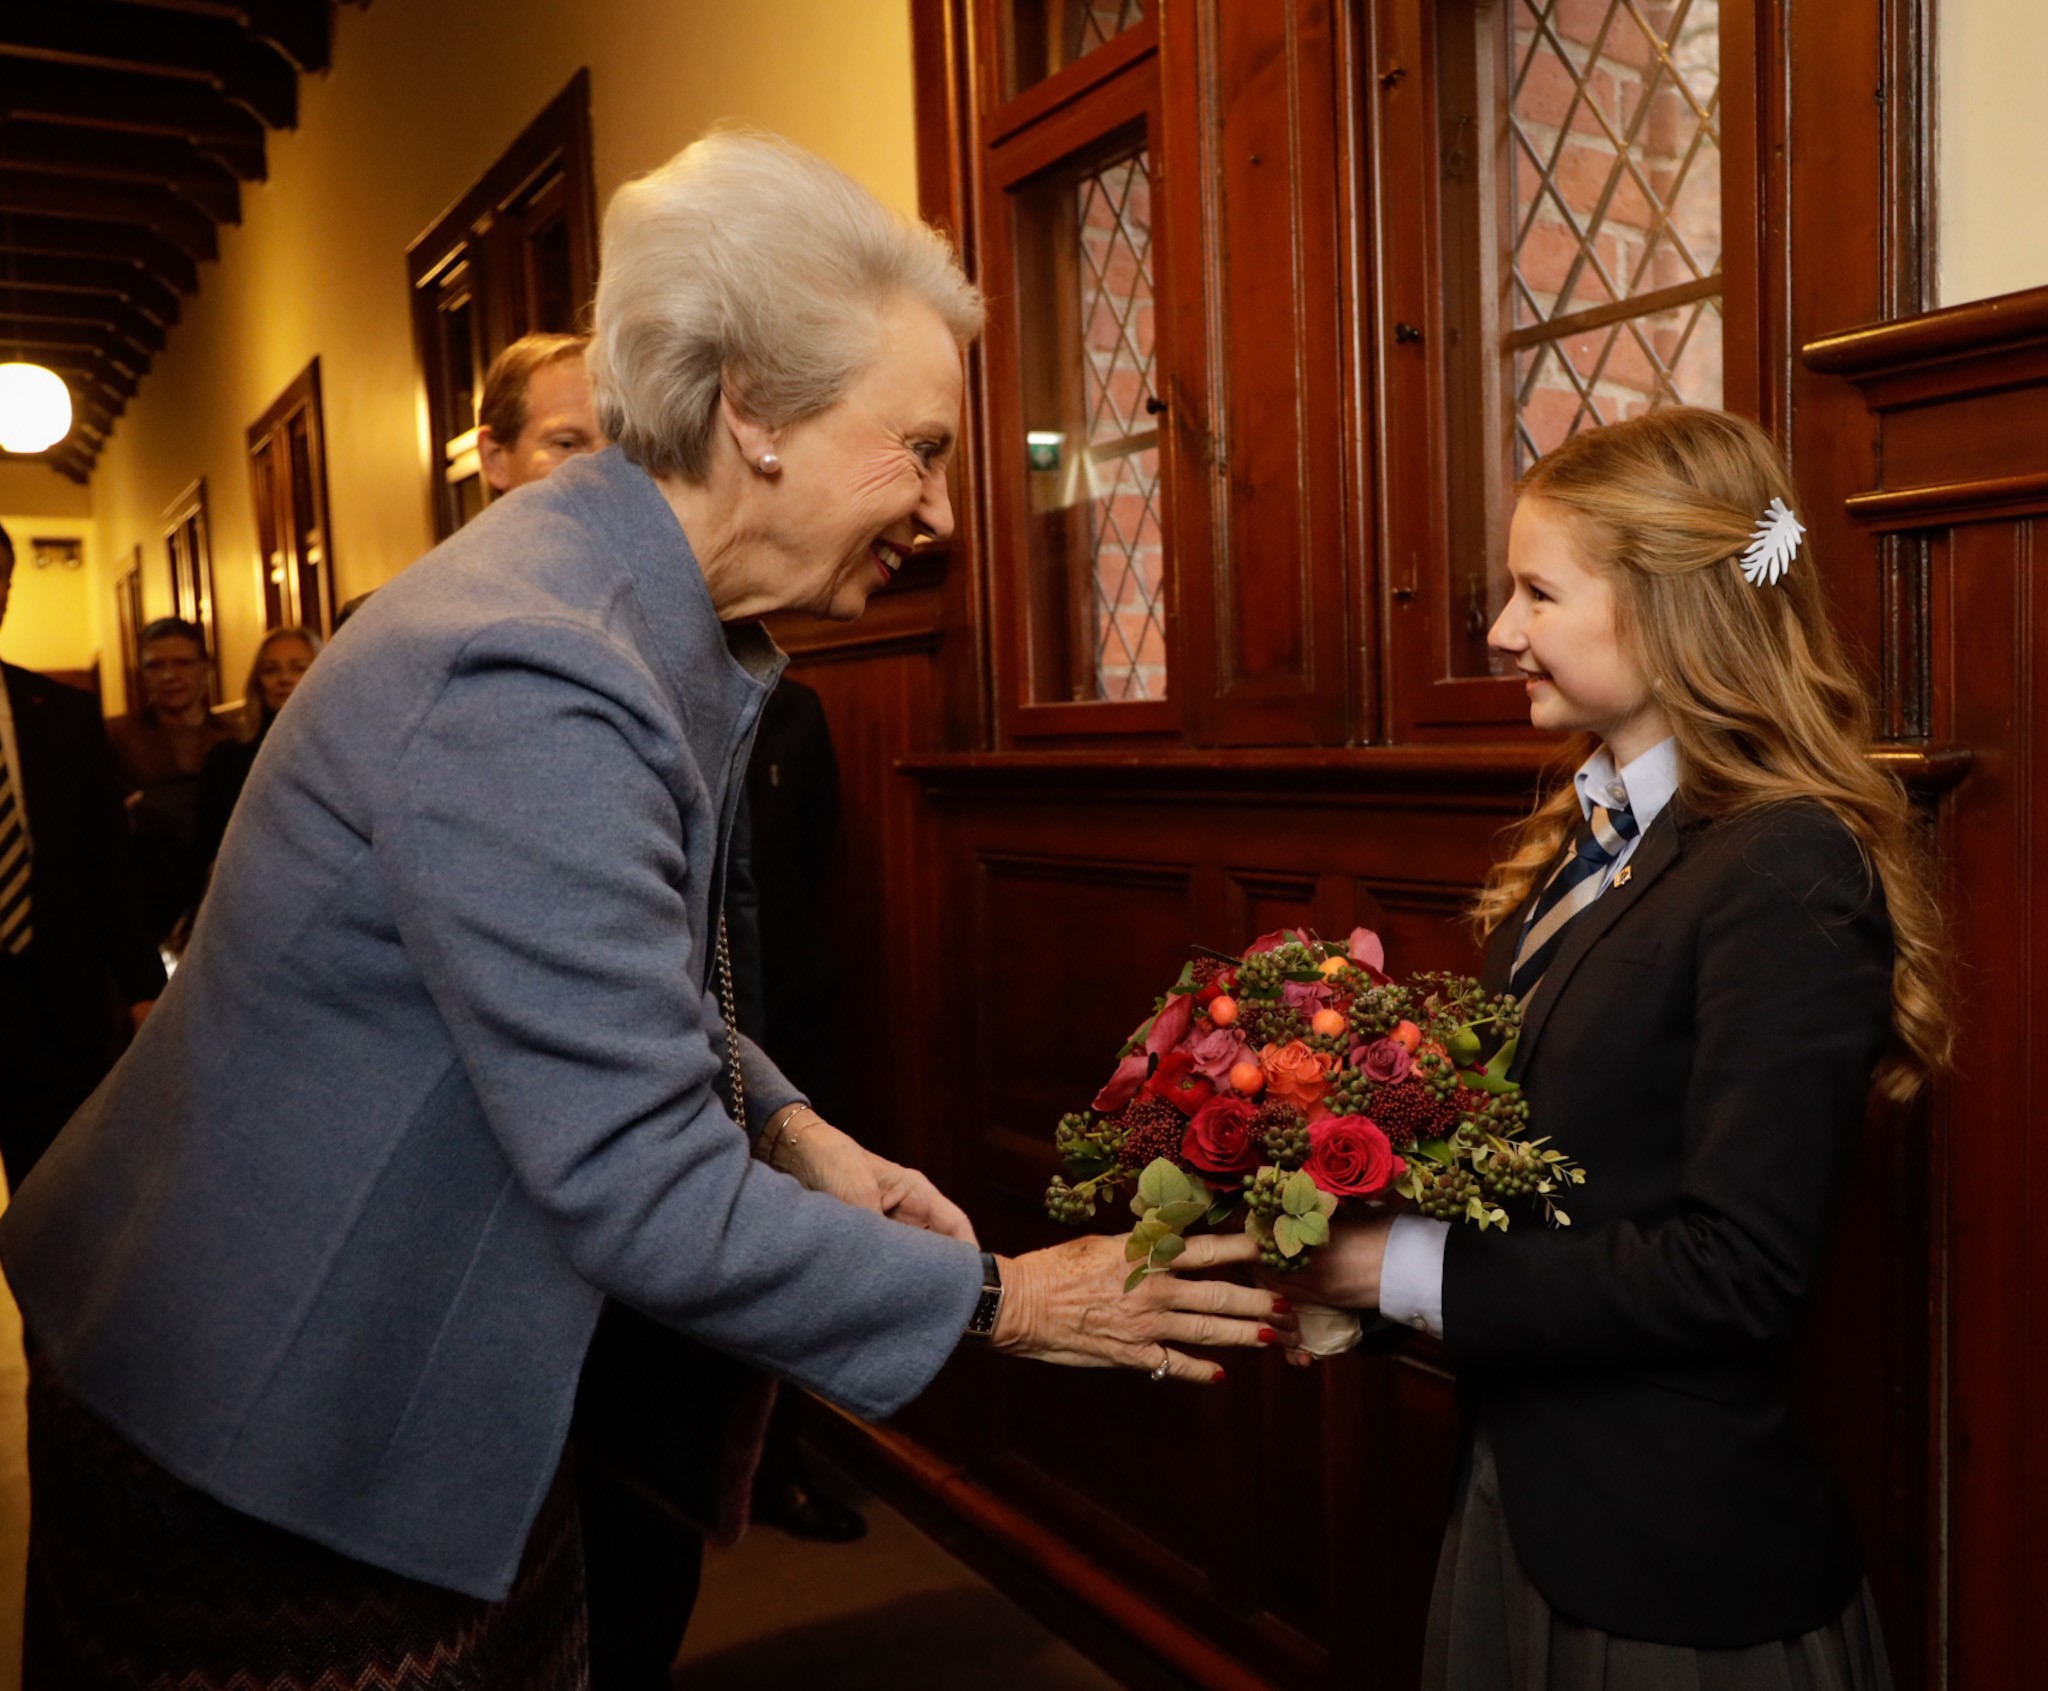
[{"x": 1722, "y": 934}]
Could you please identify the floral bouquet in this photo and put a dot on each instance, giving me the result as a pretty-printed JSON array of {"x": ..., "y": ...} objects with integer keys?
[{"x": 1297, "y": 1077}]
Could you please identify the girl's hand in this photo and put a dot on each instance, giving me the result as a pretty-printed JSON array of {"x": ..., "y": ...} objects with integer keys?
[
  {"x": 1344, "y": 1274},
  {"x": 1067, "y": 1304}
]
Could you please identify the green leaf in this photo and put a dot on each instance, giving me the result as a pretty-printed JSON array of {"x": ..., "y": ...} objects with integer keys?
[
  {"x": 1287, "y": 1235},
  {"x": 1436, "y": 1150},
  {"x": 1313, "y": 1228},
  {"x": 1300, "y": 1193},
  {"x": 1503, "y": 1059},
  {"x": 1139, "y": 1207},
  {"x": 1463, "y": 1045},
  {"x": 1224, "y": 1207},
  {"x": 1137, "y": 1278},
  {"x": 1326, "y": 1204},
  {"x": 1557, "y": 1215},
  {"x": 1143, "y": 1237},
  {"x": 1410, "y": 1184},
  {"x": 1478, "y": 1212},
  {"x": 1186, "y": 982},
  {"x": 1167, "y": 1249},
  {"x": 1163, "y": 1183},
  {"x": 1183, "y": 1212},
  {"x": 1256, "y": 1229}
]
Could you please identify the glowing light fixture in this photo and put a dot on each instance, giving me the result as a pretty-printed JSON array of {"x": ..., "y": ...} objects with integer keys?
[{"x": 35, "y": 407}]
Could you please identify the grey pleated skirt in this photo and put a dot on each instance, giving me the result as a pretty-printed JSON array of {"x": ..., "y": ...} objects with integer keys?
[{"x": 1491, "y": 1630}]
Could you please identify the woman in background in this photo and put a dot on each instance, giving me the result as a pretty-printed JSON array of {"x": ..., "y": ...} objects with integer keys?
[{"x": 282, "y": 658}]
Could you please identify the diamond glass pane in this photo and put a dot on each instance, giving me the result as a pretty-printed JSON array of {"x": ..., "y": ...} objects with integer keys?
[
  {"x": 1614, "y": 125},
  {"x": 1097, "y": 561},
  {"x": 1047, "y": 35}
]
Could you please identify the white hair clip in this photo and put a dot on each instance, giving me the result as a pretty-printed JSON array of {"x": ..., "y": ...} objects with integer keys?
[{"x": 1772, "y": 545}]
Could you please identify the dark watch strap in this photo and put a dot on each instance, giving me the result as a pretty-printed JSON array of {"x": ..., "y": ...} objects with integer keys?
[{"x": 982, "y": 1323}]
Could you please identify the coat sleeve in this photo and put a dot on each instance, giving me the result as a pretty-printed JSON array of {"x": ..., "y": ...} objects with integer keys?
[
  {"x": 1793, "y": 1001},
  {"x": 532, "y": 852}
]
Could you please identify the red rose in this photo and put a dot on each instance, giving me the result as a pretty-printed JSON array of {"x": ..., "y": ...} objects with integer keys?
[
  {"x": 1349, "y": 1157},
  {"x": 1175, "y": 1080},
  {"x": 1220, "y": 1142}
]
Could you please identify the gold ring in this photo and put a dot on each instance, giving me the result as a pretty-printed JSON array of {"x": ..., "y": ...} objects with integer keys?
[{"x": 1165, "y": 1361}]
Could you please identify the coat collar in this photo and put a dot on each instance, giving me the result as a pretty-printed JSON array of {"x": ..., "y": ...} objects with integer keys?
[{"x": 1659, "y": 849}]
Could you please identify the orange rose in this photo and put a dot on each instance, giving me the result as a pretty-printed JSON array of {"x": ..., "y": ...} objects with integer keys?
[{"x": 1295, "y": 1074}]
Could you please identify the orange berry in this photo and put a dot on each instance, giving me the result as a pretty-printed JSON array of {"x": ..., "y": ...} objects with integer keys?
[
  {"x": 1335, "y": 965},
  {"x": 1248, "y": 1078},
  {"x": 1408, "y": 1034},
  {"x": 1329, "y": 1022},
  {"x": 1223, "y": 1010}
]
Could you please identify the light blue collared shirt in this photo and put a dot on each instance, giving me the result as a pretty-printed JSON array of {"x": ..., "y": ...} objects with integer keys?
[{"x": 1412, "y": 1274}]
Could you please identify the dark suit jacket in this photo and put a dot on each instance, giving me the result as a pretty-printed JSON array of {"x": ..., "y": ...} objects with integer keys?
[
  {"x": 1703, "y": 1044},
  {"x": 87, "y": 909}
]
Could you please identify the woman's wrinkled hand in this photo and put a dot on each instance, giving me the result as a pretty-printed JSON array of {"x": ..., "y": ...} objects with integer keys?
[
  {"x": 826, "y": 1160},
  {"x": 1067, "y": 1304}
]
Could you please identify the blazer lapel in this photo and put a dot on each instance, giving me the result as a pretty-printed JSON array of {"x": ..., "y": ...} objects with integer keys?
[{"x": 1657, "y": 852}]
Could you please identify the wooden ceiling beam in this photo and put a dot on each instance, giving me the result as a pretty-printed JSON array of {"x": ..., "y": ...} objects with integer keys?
[
  {"x": 296, "y": 28},
  {"x": 123, "y": 367},
  {"x": 68, "y": 150},
  {"x": 64, "y": 459},
  {"x": 75, "y": 238},
  {"x": 76, "y": 363},
  {"x": 103, "y": 311},
  {"x": 138, "y": 103},
  {"x": 117, "y": 278},
  {"x": 187, "y": 228},
  {"x": 216, "y": 52}
]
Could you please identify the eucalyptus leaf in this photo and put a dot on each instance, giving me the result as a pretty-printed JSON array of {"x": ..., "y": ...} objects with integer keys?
[
  {"x": 1224, "y": 1207},
  {"x": 1162, "y": 1183},
  {"x": 1137, "y": 1278},
  {"x": 1256, "y": 1229},
  {"x": 1313, "y": 1228},
  {"x": 1300, "y": 1193},
  {"x": 1183, "y": 1212},
  {"x": 1287, "y": 1235},
  {"x": 1326, "y": 1204},
  {"x": 1139, "y": 1207},
  {"x": 1166, "y": 1249}
]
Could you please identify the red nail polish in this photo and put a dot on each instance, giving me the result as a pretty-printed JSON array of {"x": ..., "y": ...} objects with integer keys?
[
  {"x": 1216, "y": 1379},
  {"x": 1282, "y": 1307},
  {"x": 1267, "y": 1336}
]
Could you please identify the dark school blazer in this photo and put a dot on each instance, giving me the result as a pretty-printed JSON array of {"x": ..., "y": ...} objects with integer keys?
[{"x": 1703, "y": 1044}]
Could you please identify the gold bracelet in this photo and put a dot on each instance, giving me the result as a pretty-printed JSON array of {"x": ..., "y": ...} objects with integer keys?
[{"x": 787, "y": 1133}]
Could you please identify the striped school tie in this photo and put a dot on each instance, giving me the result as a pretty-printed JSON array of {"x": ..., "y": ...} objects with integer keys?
[
  {"x": 15, "y": 928},
  {"x": 1572, "y": 888}
]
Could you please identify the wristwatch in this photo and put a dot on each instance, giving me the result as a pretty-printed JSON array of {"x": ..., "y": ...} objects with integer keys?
[{"x": 982, "y": 1323}]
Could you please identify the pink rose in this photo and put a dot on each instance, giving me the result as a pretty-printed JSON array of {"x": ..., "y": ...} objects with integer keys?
[
  {"x": 1124, "y": 1085},
  {"x": 1349, "y": 1157},
  {"x": 1220, "y": 1142},
  {"x": 1310, "y": 996},
  {"x": 1383, "y": 1061},
  {"x": 1216, "y": 1051}
]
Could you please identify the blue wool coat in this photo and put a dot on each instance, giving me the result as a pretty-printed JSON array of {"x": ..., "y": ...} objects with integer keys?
[{"x": 436, "y": 1075}]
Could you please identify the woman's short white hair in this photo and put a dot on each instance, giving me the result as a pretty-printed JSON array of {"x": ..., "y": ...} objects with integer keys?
[{"x": 747, "y": 265}]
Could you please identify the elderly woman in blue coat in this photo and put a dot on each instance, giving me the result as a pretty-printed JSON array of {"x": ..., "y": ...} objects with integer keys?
[{"x": 309, "y": 1283}]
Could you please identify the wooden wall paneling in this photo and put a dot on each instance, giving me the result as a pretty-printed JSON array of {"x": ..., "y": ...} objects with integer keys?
[
  {"x": 1267, "y": 606},
  {"x": 1959, "y": 455}
]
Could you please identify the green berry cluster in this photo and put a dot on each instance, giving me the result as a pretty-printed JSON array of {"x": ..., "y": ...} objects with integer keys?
[
  {"x": 1287, "y": 1144},
  {"x": 1350, "y": 1093},
  {"x": 1272, "y": 1024},
  {"x": 1511, "y": 1171},
  {"x": 1264, "y": 1197},
  {"x": 1444, "y": 1191},
  {"x": 1066, "y": 1203},
  {"x": 1262, "y": 974},
  {"x": 1378, "y": 1010}
]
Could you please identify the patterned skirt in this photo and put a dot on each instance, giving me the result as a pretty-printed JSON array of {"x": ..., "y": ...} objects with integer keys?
[
  {"x": 136, "y": 1580},
  {"x": 1491, "y": 1630}
]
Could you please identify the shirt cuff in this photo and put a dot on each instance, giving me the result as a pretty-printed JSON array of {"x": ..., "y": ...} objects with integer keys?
[{"x": 1412, "y": 1273}]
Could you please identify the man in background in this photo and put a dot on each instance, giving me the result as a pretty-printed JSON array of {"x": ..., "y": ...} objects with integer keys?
[
  {"x": 536, "y": 413},
  {"x": 78, "y": 964},
  {"x": 159, "y": 749}
]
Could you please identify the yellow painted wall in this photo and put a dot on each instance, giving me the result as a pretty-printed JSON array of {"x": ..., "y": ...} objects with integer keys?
[
  {"x": 1991, "y": 58},
  {"x": 50, "y": 614},
  {"x": 422, "y": 96}
]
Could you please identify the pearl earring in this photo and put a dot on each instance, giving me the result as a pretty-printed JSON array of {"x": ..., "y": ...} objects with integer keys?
[{"x": 770, "y": 464}]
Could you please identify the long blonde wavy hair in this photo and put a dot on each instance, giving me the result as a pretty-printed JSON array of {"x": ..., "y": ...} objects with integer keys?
[{"x": 1752, "y": 680}]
